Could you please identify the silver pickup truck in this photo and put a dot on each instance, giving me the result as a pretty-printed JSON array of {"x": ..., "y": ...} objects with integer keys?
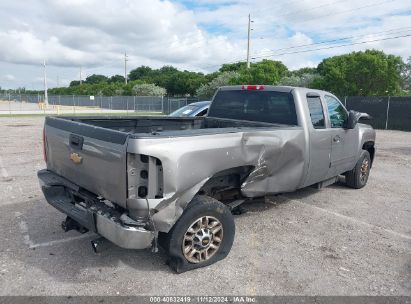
[{"x": 143, "y": 181}]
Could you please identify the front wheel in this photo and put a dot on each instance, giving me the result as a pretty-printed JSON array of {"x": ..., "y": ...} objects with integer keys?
[
  {"x": 203, "y": 235},
  {"x": 358, "y": 177}
]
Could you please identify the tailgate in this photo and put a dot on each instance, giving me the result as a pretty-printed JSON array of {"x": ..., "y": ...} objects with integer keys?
[{"x": 91, "y": 157}]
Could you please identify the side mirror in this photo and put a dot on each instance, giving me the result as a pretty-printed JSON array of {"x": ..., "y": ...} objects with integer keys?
[
  {"x": 365, "y": 116},
  {"x": 354, "y": 117}
]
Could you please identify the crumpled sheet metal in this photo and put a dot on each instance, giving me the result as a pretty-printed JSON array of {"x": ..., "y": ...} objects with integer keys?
[{"x": 277, "y": 156}]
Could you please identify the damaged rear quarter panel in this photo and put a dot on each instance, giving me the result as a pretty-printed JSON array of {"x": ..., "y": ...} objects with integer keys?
[{"x": 275, "y": 153}]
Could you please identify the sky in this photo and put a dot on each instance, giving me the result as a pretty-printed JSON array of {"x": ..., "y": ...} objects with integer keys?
[{"x": 195, "y": 35}]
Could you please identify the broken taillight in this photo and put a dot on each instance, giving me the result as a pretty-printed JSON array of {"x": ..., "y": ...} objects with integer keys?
[
  {"x": 44, "y": 145},
  {"x": 253, "y": 87}
]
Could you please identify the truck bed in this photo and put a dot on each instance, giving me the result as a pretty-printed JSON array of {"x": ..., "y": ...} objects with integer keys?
[
  {"x": 154, "y": 126},
  {"x": 92, "y": 151}
]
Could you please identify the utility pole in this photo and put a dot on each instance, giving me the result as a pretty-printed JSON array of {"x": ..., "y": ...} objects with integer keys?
[
  {"x": 248, "y": 41},
  {"x": 125, "y": 67},
  {"x": 58, "y": 81},
  {"x": 46, "y": 99},
  {"x": 81, "y": 81}
]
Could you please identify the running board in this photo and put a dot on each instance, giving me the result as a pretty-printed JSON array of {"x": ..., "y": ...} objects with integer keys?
[
  {"x": 325, "y": 183},
  {"x": 234, "y": 204}
]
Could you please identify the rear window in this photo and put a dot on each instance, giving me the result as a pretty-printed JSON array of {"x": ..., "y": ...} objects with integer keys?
[
  {"x": 185, "y": 111},
  {"x": 264, "y": 106}
]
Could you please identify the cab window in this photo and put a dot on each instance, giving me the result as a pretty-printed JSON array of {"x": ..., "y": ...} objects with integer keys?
[
  {"x": 265, "y": 106},
  {"x": 336, "y": 111}
]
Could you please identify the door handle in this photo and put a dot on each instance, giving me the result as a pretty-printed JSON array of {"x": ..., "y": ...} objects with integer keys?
[{"x": 336, "y": 139}]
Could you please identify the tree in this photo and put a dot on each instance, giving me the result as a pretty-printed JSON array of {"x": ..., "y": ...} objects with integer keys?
[
  {"x": 177, "y": 83},
  {"x": 168, "y": 69},
  {"x": 95, "y": 78},
  {"x": 74, "y": 83},
  {"x": 263, "y": 72},
  {"x": 233, "y": 67},
  {"x": 303, "y": 71},
  {"x": 140, "y": 72},
  {"x": 167, "y": 77},
  {"x": 370, "y": 72},
  {"x": 116, "y": 78},
  {"x": 180, "y": 83},
  {"x": 406, "y": 76},
  {"x": 148, "y": 90},
  {"x": 359, "y": 73},
  {"x": 308, "y": 80},
  {"x": 208, "y": 90}
]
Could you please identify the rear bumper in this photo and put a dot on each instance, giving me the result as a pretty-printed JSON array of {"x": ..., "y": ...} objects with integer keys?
[{"x": 95, "y": 215}]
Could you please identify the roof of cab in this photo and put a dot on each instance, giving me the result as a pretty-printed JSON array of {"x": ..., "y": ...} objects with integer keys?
[{"x": 285, "y": 89}]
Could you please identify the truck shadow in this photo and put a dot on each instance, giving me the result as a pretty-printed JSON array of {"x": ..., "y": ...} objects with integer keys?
[
  {"x": 274, "y": 201},
  {"x": 311, "y": 190},
  {"x": 69, "y": 257},
  {"x": 72, "y": 259}
]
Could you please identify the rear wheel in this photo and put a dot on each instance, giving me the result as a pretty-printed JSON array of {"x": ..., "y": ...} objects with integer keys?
[
  {"x": 203, "y": 235},
  {"x": 358, "y": 177}
]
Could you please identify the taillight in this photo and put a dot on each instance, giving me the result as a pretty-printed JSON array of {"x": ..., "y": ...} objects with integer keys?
[
  {"x": 44, "y": 145},
  {"x": 253, "y": 87}
]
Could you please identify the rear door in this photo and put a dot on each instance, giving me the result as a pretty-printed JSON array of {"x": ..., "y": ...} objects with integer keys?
[
  {"x": 320, "y": 144},
  {"x": 91, "y": 157},
  {"x": 343, "y": 141}
]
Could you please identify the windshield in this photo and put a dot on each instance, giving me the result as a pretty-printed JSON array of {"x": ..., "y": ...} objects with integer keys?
[
  {"x": 185, "y": 111},
  {"x": 264, "y": 106}
]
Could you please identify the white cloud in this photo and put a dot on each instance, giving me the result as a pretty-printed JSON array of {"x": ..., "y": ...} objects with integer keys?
[
  {"x": 8, "y": 77},
  {"x": 189, "y": 35},
  {"x": 25, "y": 47},
  {"x": 92, "y": 33},
  {"x": 279, "y": 23}
]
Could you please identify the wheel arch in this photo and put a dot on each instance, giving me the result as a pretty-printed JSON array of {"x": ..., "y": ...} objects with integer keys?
[
  {"x": 223, "y": 186},
  {"x": 224, "y": 181},
  {"x": 370, "y": 147}
]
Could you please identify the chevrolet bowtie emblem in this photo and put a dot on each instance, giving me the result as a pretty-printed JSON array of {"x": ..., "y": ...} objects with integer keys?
[{"x": 76, "y": 158}]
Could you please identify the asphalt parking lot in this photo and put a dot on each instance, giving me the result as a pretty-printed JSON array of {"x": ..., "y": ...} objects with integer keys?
[{"x": 334, "y": 241}]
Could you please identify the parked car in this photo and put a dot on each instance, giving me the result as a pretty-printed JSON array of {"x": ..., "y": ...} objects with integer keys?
[
  {"x": 175, "y": 180},
  {"x": 193, "y": 109}
]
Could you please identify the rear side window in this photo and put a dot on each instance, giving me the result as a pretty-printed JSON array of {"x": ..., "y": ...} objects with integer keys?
[
  {"x": 316, "y": 112},
  {"x": 338, "y": 114},
  {"x": 265, "y": 106}
]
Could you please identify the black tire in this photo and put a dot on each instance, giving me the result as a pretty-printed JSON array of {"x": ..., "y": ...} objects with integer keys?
[
  {"x": 358, "y": 177},
  {"x": 199, "y": 208}
]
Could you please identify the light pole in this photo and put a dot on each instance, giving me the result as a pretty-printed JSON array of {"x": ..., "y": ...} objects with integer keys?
[
  {"x": 46, "y": 99},
  {"x": 125, "y": 68},
  {"x": 248, "y": 40}
]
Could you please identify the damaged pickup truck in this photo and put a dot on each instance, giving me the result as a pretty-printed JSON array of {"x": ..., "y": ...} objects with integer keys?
[{"x": 140, "y": 181}]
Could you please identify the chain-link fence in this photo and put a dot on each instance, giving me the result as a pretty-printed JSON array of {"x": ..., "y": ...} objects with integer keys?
[
  {"x": 387, "y": 112},
  {"x": 63, "y": 104}
]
